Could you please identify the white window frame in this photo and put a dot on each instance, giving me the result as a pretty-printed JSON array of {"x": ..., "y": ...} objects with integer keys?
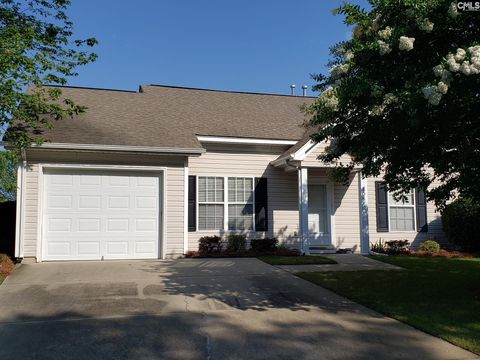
[
  {"x": 414, "y": 206},
  {"x": 226, "y": 203},
  {"x": 209, "y": 202},
  {"x": 241, "y": 203}
]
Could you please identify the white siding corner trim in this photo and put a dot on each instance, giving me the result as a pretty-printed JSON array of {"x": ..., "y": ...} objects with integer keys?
[
  {"x": 20, "y": 211},
  {"x": 185, "y": 208}
]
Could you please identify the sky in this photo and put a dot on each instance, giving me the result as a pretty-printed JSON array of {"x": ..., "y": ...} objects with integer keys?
[{"x": 242, "y": 45}]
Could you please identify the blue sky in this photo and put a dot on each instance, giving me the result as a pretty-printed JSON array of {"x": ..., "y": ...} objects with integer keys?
[{"x": 247, "y": 45}]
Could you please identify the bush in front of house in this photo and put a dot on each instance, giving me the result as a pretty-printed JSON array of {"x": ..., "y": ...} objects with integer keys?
[
  {"x": 378, "y": 247},
  {"x": 210, "y": 245},
  {"x": 461, "y": 223},
  {"x": 397, "y": 247},
  {"x": 430, "y": 247},
  {"x": 263, "y": 245},
  {"x": 236, "y": 243}
]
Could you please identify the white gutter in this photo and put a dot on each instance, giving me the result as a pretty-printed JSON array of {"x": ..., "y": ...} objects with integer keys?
[
  {"x": 121, "y": 148},
  {"x": 236, "y": 140}
]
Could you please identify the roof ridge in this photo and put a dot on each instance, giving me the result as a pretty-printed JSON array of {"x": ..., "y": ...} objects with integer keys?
[
  {"x": 90, "y": 88},
  {"x": 230, "y": 91}
]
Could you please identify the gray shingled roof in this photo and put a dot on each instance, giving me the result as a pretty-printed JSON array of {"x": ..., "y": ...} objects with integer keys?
[{"x": 163, "y": 116}]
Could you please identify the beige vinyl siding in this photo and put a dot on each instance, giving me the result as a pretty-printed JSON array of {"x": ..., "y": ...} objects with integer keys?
[
  {"x": 311, "y": 160},
  {"x": 434, "y": 221},
  {"x": 345, "y": 208},
  {"x": 174, "y": 196},
  {"x": 248, "y": 161}
]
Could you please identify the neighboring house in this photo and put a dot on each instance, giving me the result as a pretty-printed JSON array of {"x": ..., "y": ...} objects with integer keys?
[{"x": 146, "y": 174}]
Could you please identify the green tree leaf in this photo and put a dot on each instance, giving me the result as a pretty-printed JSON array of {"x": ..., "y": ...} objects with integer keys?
[{"x": 402, "y": 99}]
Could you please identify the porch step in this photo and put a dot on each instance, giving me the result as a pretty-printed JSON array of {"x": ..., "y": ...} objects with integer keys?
[{"x": 322, "y": 250}]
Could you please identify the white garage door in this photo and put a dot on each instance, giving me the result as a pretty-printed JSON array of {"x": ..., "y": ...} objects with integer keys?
[{"x": 95, "y": 214}]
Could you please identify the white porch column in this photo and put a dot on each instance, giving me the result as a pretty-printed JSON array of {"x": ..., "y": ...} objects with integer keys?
[
  {"x": 363, "y": 207},
  {"x": 303, "y": 209}
]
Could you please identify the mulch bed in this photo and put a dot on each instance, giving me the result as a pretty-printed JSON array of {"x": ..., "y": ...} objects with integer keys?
[{"x": 6, "y": 265}]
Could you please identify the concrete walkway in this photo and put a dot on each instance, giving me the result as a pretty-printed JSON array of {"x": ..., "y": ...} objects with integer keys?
[
  {"x": 194, "y": 309},
  {"x": 345, "y": 262}
]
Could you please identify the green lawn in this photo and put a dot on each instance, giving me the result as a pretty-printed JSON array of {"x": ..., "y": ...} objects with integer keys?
[
  {"x": 296, "y": 260},
  {"x": 1, "y": 279},
  {"x": 438, "y": 295}
]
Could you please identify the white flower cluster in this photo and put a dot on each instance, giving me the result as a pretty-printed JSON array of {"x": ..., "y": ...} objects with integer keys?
[
  {"x": 459, "y": 61},
  {"x": 442, "y": 73},
  {"x": 349, "y": 55},
  {"x": 406, "y": 43},
  {"x": 328, "y": 99},
  {"x": 386, "y": 33},
  {"x": 383, "y": 47},
  {"x": 376, "y": 23},
  {"x": 433, "y": 94},
  {"x": 452, "y": 10},
  {"x": 338, "y": 70},
  {"x": 425, "y": 25},
  {"x": 388, "y": 99}
]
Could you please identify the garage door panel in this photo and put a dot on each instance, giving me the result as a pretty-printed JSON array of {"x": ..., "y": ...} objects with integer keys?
[
  {"x": 95, "y": 214},
  {"x": 118, "y": 225},
  {"x": 88, "y": 248},
  {"x": 59, "y": 201},
  {"x": 91, "y": 202}
]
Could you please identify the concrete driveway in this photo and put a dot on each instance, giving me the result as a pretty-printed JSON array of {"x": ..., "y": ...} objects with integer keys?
[{"x": 193, "y": 309}]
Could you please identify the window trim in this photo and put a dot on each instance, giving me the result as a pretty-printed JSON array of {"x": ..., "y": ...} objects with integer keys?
[
  {"x": 241, "y": 203},
  {"x": 225, "y": 203},
  {"x": 413, "y": 206},
  {"x": 209, "y": 202}
]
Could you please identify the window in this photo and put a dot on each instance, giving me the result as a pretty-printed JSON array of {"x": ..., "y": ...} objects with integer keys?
[
  {"x": 402, "y": 212},
  {"x": 240, "y": 203},
  {"x": 210, "y": 203}
]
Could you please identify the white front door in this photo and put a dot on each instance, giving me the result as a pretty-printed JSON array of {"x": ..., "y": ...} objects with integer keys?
[
  {"x": 98, "y": 214},
  {"x": 318, "y": 215}
]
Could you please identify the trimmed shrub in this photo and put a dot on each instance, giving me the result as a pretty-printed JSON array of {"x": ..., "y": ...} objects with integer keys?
[
  {"x": 430, "y": 247},
  {"x": 397, "y": 247},
  {"x": 210, "y": 244},
  {"x": 378, "y": 247},
  {"x": 263, "y": 245},
  {"x": 236, "y": 243},
  {"x": 461, "y": 223}
]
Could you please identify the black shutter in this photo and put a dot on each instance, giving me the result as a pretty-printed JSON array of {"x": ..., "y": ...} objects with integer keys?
[
  {"x": 192, "y": 203},
  {"x": 421, "y": 209},
  {"x": 261, "y": 204},
  {"x": 382, "y": 206}
]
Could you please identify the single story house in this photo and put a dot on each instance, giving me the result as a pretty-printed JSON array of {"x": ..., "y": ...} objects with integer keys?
[{"x": 144, "y": 175}]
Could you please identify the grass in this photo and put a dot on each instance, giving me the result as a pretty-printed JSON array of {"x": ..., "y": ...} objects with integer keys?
[
  {"x": 437, "y": 295},
  {"x": 296, "y": 260}
]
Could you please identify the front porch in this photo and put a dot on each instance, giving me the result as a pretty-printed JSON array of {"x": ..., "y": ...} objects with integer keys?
[{"x": 319, "y": 200}]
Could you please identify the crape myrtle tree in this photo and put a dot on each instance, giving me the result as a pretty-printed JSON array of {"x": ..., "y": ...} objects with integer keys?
[
  {"x": 402, "y": 97},
  {"x": 36, "y": 48}
]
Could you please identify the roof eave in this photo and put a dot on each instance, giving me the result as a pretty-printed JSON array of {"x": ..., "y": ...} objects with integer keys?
[{"x": 121, "y": 148}]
